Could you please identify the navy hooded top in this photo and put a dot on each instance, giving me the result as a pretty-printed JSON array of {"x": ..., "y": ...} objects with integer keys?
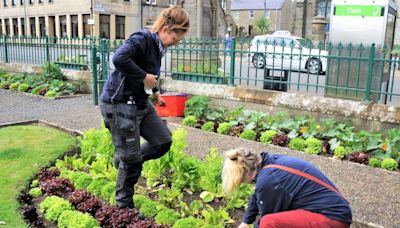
[{"x": 277, "y": 190}]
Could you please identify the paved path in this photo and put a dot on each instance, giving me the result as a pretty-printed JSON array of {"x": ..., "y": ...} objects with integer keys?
[{"x": 373, "y": 193}]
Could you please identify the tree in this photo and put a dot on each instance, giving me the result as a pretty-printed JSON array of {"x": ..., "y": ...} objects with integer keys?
[{"x": 261, "y": 25}]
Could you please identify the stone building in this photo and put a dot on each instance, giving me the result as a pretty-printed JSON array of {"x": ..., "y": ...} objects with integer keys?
[{"x": 113, "y": 19}]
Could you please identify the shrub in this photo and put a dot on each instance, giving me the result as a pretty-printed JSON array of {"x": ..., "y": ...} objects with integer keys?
[
  {"x": 266, "y": 137},
  {"x": 53, "y": 206},
  {"x": 209, "y": 126},
  {"x": 297, "y": 144},
  {"x": 340, "y": 152},
  {"x": 35, "y": 192},
  {"x": 50, "y": 93},
  {"x": 138, "y": 200},
  {"x": 313, "y": 146},
  {"x": 167, "y": 217},
  {"x": 149, "y": 208},
  {"x": 23, "y": 87},
  {"x": 197, "y": 106},
  {"x": 35, "y": 183},
  {"x": 188, "y": 222},
  {"x": 223, "y": 128},
  {"x": 374, "y": 162},
  {"x": 51, "y": 71},
  {"x": 389, "y": 164},
  {"x": 76, "y": 219},
  {"x": 190, "y": 121},
  {"x": 4, "y": 85},
  {"x": 248, "y": 134},
  {"x": 14, "y": 86}
]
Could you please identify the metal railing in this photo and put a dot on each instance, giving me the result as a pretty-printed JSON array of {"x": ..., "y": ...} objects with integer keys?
[{"x": 323, "y": 69}]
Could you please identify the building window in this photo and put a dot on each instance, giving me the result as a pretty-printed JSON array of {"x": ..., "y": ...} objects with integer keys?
[
  {"x": 15, "y": 26},
  {"x": 31, "y": 2},
  {"x": 13, "y": 2},
  {"x": 172, "y": 2},
  {"x": 86, "y": 26},
  {"x": 1, "y": 27},
  {"x": 237, "y": 15},
  {"x": 63, "y": 26},
  {"x": 5, "y": 2},
  {"x": 151, "y": 2},
  {"x": 268, "y": 14},
  {"x": 74, "y": 26},
  {"x": 23, "y": 26},
  {"x": 21, "y": 2},
  {"x": 7, "y": 22},
  {"x": 251, "y": 14},
  {"x": 42, "y": 26},
  {"x": 104, "y": 26},
  {"x": 321, "y": 7},
  {"x": 120, "y": 27},
  {"x": 32, "y": 26}
]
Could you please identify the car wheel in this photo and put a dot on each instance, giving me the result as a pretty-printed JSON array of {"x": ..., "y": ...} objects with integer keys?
[
  {"x": 258, "y": 61},
  {"x": 314, "y": 66}
]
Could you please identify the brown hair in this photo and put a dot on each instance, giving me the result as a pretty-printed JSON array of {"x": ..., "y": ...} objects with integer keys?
[
  {"x": 237, "y": 164},
  {"x": 175, "y": 17}
]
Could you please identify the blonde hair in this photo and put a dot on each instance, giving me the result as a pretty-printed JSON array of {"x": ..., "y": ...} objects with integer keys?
[
  {"x": 238, "y": 162},
  {"x": 175, "y": 17}
]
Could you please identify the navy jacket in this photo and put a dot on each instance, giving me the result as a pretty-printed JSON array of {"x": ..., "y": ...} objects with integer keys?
[
  {"x": 139, "y": 55},
  {"x": 278, "y": 190}
]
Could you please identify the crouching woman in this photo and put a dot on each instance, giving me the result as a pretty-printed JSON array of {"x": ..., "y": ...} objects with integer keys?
[{"x": 289, "y": 192}]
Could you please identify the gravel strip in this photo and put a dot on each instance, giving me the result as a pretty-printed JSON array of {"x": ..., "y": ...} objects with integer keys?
[{"x": 374, "y": 194}]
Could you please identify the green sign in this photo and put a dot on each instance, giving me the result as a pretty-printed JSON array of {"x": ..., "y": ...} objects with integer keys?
[{"x": 359, "y": 10}]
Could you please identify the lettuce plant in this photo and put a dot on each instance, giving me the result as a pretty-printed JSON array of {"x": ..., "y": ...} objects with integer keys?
[
  {"x": 374, "y": 162},
  {"x": 340, "y": 152},
  {"x": 223, "y": 128},
  {"x": 266, "y": 137},
  {"x": 35, "y": 192},
  {"x": 167, "y": 217},
  {"x": 209, "y": 126},
  {"x": 248, "y": 134},
  {"x": 313, "y": 146},
  {"x": 190, "y": 121},
  {"x": 389, "y": 164},
  {"x": 297, "y": 144}
]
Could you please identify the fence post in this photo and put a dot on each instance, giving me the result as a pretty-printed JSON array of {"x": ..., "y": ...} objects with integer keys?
[
  {"x": 371, "y": 62},
  {"x": 5, "y": 49},
  {"x": 94, "y": 74},
  {"x": 46, "y": 38},
  {"x": 104, "y": 50},
  {"x": 232, "y": 68}
]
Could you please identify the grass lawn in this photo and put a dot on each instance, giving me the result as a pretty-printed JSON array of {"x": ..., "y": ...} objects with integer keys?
[{"x": 23, "y": 151}]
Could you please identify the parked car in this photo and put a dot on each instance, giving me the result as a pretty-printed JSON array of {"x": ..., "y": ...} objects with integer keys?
[{"x": 285, "y": 52}]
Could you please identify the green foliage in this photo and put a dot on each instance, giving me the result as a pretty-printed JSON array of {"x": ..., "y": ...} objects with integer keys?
[
  {"x": 223, "y": 128},
  {"x": 4, "y": 85},
  {"x": 149, "y": 208},
  {"x": 188, "y": 222},
  {"x": 167, "y": 217},
  {"x": 96, "y": 185},
  {"x": 76, "y": 219},
  {"x": 239, "y": 199},
  {"x": 209, "y": 126},
  {"x": 169, "y": 197},
  {"x": 95, "y": 144},
  {"x": 35, "y": 183},
  {"x": 248, "y": 134},
  {"x": 108, "y": 191},
  {"x": 219, "y": 217},
  {"x": 340, "y": 152},
  {"x": 23, "y": 87},
  {"x": 190, "y": 121},
  {"x": 186, "y": 173},
  {"x": 193, "y": 210},
  {"x": 374, "y": 162},
  {"x": 14, "y": 86},
  {"x": 313, "y": 146},
  {"x": 50, "y": 93},
  {"x": 297, "y": 144},
  {"x": 261, "y": 25},
  {"x": 36, "y": 90},
  {"x": 138, "y": 200},
  {"x": 200, "y": 68},
  {"x": 393, "y": 143},
  {"x": 53, "y": 206},
  {"x": 197, "y": 106},
  {"x": 51, "y": 71},
  {"x": 81, "y": 180},
  {"x": 35, "y": 192},
  {"x": 266, "y": 137},
  {"x": 389, "y": 164},
  {"x": 210, "y": 176}
]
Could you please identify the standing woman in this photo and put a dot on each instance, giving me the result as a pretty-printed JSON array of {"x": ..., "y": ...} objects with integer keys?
[
  {"x": 124, "y": 103},
  {"x": 289, "y": 192}
]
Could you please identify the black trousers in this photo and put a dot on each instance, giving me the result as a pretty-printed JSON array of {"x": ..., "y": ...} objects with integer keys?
[{"x": 127, "y": 123}]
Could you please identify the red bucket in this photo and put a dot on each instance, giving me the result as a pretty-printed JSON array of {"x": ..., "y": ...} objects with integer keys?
[{"x": 174, "y": 105}]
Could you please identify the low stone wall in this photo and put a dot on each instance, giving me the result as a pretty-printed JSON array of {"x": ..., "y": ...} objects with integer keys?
[
  {"x": 379, "y": 116},
  {"x": 71, "y": 75}
]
